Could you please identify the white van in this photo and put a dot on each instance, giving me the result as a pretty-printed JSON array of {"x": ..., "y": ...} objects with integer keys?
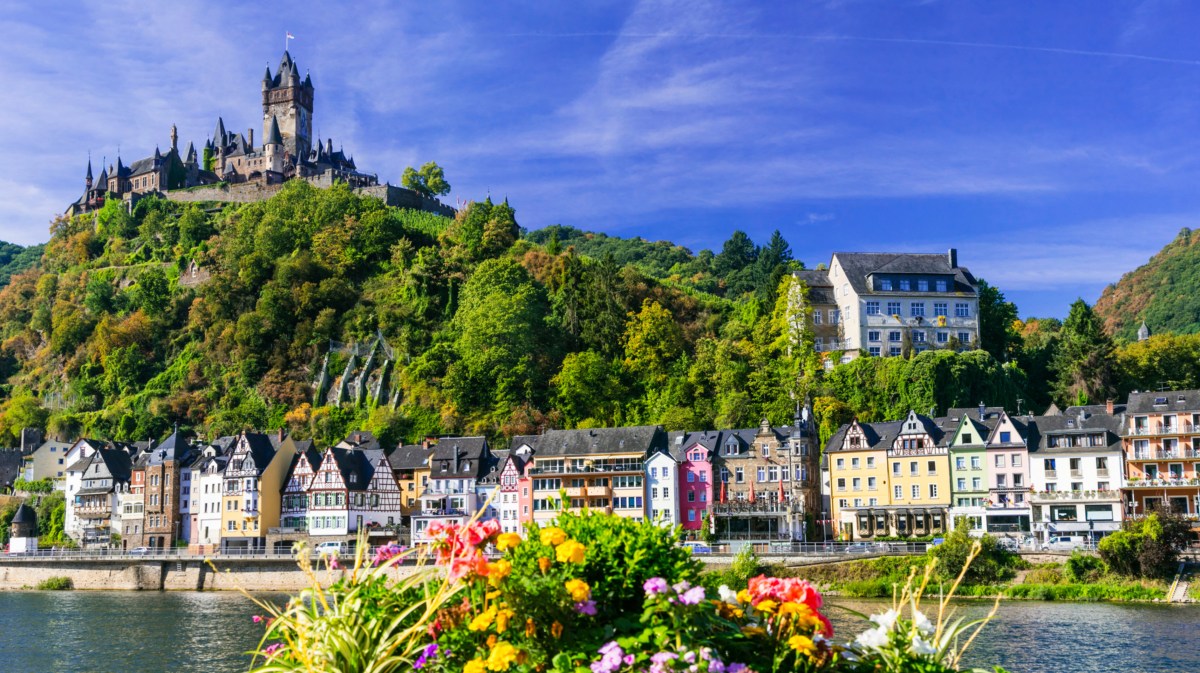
[
  {"x": 1061, "y": 543},
  {"x": 330, "y": 548}
]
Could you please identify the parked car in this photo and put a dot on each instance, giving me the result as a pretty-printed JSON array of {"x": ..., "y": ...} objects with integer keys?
[
  {"x": 858, "y": 548},
  {"x": 139, "y": 551},
  {"x": 330, "y": 548},
  {"x": 1008, "y": 544},
  {"x": 697, "y": 547},
  {"x": 1061, "y": 543}
]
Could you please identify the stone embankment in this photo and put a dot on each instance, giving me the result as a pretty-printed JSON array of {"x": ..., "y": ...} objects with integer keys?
[{"x": 179, "y": 574}]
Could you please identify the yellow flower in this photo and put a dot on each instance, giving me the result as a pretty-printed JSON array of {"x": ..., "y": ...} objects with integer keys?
[
  {"x": 483, "y": 620},
  {"x": 553, "y": 536},
  {"x": 579, "y": 590},
  {"x": 802, "y": 644},
  {"x": 498, "y": 571},
  {"x": 475, "y": 666},
  {"x": 753, "y": 631},
  {"x": 767, "y": 606},
  {"x": 543, "y": 564},
  {"x": 743, "y": 596},
  {"x": 556, "y": 630},
  {"x": 502, "y": 618},
  {"x": 502, "y": 656},
  {"x": 804, "y": 616},
  {"x": 507, "y": 541},
  {"x": 570, "y": 552}
]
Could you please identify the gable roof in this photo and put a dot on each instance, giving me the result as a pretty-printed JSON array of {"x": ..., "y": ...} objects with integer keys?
[
  {"x": 639, "y": 439},
  {"x": 858, "y": 266},
  {"x": 1172, "y": 400},
  {"x": 409, "y": 457}
]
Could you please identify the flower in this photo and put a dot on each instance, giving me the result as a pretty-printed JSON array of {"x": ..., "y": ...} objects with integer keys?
[
  {"x": 271, "y": 649},
  {"x": 586, "y": 608},
  {"x": 922, "y": 622},
  {"x": 333, "y": 563},
  {"x": 507, "y": 541},
  {"x": 475, "y": 666},
  {"x": 502, "y": 618},
  {"x": 529, "y": 627},
  {"x": 502, "y": 656},
  {"x": 570, "y": 552},
  {"x": 802, "y": 644},
  {"x": 257, "y": 619},
  {"x": 556, "y": 630},
  {"x": 483, "y": 620},
  {"x": 498, "y": 571},
  {"x": 611, "y": 658},
  {"x": 728, "y": 595},
  {"x": 885, "y": 621},
  {"x": 553, "y": 536},
  {"x": 430, "y": 652},
  {"x": 921, "y": 646},
  {"x": 654, "y": 586},
  {"x": 692, "y": 596},
  {"x": 873, "y": 638},
  {"x": 579, "y": 590},
  {"x": 767, "y": 606},
  {"x": 543, "y": 564}
]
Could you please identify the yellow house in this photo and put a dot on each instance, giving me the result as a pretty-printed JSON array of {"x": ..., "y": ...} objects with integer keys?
[
  {"x": 250, "y": 500},
  {"x": 919, "y": 469},
  {"x": 857, "y": 478},
  {"x": 410, "y": 466}
]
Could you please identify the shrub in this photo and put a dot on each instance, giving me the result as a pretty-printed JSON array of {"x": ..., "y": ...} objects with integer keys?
[
  {"x": 55, "y": 584},
  {"x": 991, "y": 564},
  {"x": 1046, "y": 574},
  {"x": 1147, "y": 547},
  {"x": 1082, "y": 567}
]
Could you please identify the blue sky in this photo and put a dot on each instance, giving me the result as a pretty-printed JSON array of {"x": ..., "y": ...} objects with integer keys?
[{"x": 1054, "y": 144}]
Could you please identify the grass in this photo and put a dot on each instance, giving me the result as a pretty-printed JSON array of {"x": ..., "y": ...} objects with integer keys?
[{"x": 57, "y": 583}]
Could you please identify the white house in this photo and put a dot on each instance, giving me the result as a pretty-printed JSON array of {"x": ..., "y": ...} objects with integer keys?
[
  {"x": 208, "y": 477},
  {"x": 662, "y": 488}
]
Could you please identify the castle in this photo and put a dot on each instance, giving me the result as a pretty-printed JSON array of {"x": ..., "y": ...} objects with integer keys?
[{"x": 233, "y": 168}]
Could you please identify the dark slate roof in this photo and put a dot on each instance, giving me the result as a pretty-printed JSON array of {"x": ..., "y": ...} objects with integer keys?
[
  {"x": 356, "y": 467},
  {"x": 261, "y": 449},
  {"x": 25, "y": 513},
  {"x": 820, "y": 288},
  {"x": 99, "y": 490},
  {"x": 1073, "y": 422},
  {"x": 464, "y": 456},
  {"x": 878, "y": 436},
  {"x": 495, "y": 465},
  {"x": 859, "y": 265},
  {"x": 1174, "y": 400},
  {"x": 637, "y": 439},
  {"x": 175, "y": 447},
  {"x": 360, "y": 439},
  {"x": 409, "y": 457},
  {"x": 118, "y": 462},
  {"x": 143, "y": 166},
  {"x": 273, "y": 134}
]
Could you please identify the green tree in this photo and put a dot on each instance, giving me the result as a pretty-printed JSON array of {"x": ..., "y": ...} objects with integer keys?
[
  {"x": 1086, "y": 360},
  {"x": 429, "y": 180},
  {"x": 20, "y": 411},
  {"x": 588, "y": 387},
  {"x": 153, "y": 291},
  {"x": 653, "y": 341},
  {"x": 997, "y": 323},
  {"x": 992, "y": 565}
]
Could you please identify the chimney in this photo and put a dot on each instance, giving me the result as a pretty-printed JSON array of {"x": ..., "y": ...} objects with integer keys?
[
  {"x": 982, "y": 408},
  {"x": 952, "y": 256},
  {"x": 251, "y": 136},
  {"x": 1108, "y": 406}
]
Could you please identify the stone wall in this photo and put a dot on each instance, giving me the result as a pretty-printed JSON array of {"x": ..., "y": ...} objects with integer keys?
[
  {"x": 154, "y": 575},
  {"x": 250, "y": 192}
]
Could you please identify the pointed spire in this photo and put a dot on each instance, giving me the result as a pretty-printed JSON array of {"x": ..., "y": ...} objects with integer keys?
[
  {"x": 267, "y": 77},
  {"x": 273, "y": 135},
  {"x": 219, "y": 134},
  {"x": 89, "y": 172}
]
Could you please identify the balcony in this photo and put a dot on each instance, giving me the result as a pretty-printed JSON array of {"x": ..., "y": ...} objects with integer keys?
[
  {"x": 1157, "y": 482},
  {"x": 1090, "y": 496},
  {"x": 1102, "y": 473},
  {"x": 589, "y": 491},
  {"x": 1160, "y": 429},
  {"x": 285, "y": 530},
  {"x": 604, "y": 468},
  {"x": 1165, "y": 454},
  {"x": 443, "y": 512},
  {"x": 1051, "y": 474},
  {"x": 745, "y": 507}
]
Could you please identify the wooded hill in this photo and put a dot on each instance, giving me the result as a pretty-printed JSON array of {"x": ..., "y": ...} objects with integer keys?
[
  {"x": 1165, "y": 292},
  {"x": 493, "y": 330}
]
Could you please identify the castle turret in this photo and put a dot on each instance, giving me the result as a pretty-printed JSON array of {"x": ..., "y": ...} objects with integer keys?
[
  {"x": 290, "y": 102},
  {"x": 23, "y": 534},
  {"x": 87, "y": 181}
]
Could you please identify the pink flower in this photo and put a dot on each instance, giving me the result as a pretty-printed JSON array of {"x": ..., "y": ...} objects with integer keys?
[
  {"x": 257, "y": 619},
  {"x": 333, "y": 563},
  {"x": 272, "y": 649},
  {"x": 654, "y": 586}
]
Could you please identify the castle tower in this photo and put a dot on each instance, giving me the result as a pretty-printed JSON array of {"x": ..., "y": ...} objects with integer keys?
[
  {"x": 87, "y": 181},
  {"x": 289, "y": 101},
  {"x": 174, "y": 138},
  {"x": 23, "y": 538}
]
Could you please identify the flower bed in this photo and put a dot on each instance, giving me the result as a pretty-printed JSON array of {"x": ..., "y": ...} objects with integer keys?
[{"x": 592, "y": 593}]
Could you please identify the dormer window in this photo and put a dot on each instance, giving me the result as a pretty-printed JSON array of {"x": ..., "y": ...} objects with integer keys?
[{"x": 885, "y": 284}]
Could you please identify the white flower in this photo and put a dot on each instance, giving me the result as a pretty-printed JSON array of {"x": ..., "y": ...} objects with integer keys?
[
  {"x": 887, "y": 620},
  {"x": 921, "y": 646},
  {"x": 922, "y": 622},
  {"x": 873, "y": 638},
  {"x": 728, "y": 595}
]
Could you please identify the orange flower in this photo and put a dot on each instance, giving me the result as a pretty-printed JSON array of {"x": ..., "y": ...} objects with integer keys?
[
  {"x": 553, "y": 536},
  {"x": 498, "y": 571},
  {"x": 507, "y": 541},
  {"x": 570, "y": 552},
  {"x": 544, "y": 564},
  {"x": 579, "y": 590},
  {"x": 529, "y": 628},
  {"x": 556, "y": 630}
]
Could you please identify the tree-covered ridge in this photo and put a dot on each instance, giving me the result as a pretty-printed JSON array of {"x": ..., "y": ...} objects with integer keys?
[
  {"x": 1165, "y": 292},
  {"x": 14, "y": 259},
  {"x": 112, "y": 335}
]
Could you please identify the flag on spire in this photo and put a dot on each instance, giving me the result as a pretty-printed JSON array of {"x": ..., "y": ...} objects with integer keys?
[{"x": 290, "y": 36}]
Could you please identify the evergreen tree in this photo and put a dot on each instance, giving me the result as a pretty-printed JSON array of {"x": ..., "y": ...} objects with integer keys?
[
  {"x": 1085, "y": 365},
  {"x": 997, "y": 323}
]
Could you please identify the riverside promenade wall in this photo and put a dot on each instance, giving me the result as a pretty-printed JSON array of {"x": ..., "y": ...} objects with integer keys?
[{"x": 177, "y": 574}]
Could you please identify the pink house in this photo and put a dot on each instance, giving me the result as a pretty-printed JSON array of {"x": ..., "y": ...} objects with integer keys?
[{"x": 694, "y": 453}]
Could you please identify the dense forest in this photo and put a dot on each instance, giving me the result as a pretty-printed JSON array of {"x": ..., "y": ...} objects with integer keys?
[
  {"x": 496, "y": 330},
  {"x": 1163, "y": 292}
]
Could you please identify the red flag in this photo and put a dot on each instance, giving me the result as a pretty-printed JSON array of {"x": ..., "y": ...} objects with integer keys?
[
  {"x": 723, "y": 493},
  {"x": 780, "y": 490}
]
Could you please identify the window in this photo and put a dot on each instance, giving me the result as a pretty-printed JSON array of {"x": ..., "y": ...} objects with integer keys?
[
  {"x": 918, "y": 336},
  {"x": 960, "y": 463},
  {"x": 739, "y": 475},
  {"x": 691, "y": 515},
  {"x": 1015, "y": 460},
  {"x": 1002, "y": 481},
  {"x": 872, "y": 308},
  {"x": 916, "y": 491},
  {"x": 893, "y": 308},
  {"x": 1098, "y": 512},
  {"x": 654, "y": 472},
  {"x": 943, "y": 337},
  {"x": 896, "y": 469},
  {"x": 873, "y": 335},
  {"x": 922, "y": 286},
  {"x": 818, "y": 317},
  {"x": 962, "y": 310},
  {"x": 964, "y": 338},
  {"x": 905, "y": 285},
  {"x": 898, "y": 492},
  {"x": 762, "y": 474},
  {"x": 894, "y": 336},
  {"x": 841, "y": 463},
  {"x": 940, "y": 308},
  {"x": 691, "y": 477},
  {"x": 885, "y": 284},
  {"x": 932, "y": 467},
  {"x": 834, "y": 316},
  {"x": 870, "y": 461},
  {"x": 1000, "y": 460},
  {"x": 874, "y": 351},
  {"x": 976, "y": 463},
  {"x": 870, "y": 483},
  {"x": 766, "y": 450},
  {"x": 976, "y": 483},
  {"x": 962, "y": 484},
  {"x": 917, "y": 309},
  {"x": 854, "y": 463},
  {"x": 933, "y": 491},
  {"x": 1064, "y": 513},
  {"x": 912, "y": 468},
  {"x": 856, "y": 484},
  {"x": 691, "y": 496}
]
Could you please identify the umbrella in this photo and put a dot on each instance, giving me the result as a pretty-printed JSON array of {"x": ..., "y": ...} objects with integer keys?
[
  {"x": 724, "y": 484},
  {"x": 751, "y": 491}
]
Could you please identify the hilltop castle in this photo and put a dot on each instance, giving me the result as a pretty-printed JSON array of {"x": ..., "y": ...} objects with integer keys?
[{"x": 235, "y": 169}]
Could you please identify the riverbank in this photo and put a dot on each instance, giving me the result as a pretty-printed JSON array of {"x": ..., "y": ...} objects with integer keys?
[{"x": 1044, "y": 581}]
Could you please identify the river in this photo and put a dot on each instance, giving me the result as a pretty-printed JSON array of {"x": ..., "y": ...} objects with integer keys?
[{"x": 183, "y": 632}]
